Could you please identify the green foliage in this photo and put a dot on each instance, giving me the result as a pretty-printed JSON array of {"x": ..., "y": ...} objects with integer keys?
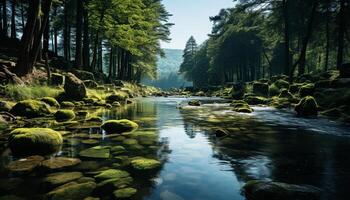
[{"x": 18, "y": 93}]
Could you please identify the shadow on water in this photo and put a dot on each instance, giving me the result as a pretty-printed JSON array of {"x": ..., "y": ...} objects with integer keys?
[{"x": 197, "y": 165}]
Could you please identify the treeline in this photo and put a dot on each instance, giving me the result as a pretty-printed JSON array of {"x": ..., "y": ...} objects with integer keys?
[
  {"x": 120, "y": 38},
  {"x": 261, "y": 38}
]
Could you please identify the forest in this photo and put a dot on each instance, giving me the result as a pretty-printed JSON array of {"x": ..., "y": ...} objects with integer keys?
[{"x": 98, "y": 101}]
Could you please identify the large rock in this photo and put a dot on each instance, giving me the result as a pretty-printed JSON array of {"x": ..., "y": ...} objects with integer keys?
[
  {"x": 96, "y": 152},
  {"x": 57, "y": 79},
  {"x": 261, "y": 89},
  {"x": 119, "y": 126},
  {"x": 31, "y": 109},
  {"x": 64, "y": 115},
  {"x": 307, "y": 90},
  {"x": 34, "y": 141},
  {"x": 268, "y": 190},
  {"x": 72, "y": 191},
  {"x": 238, "y": 91},
  {"x": 50, "y": 101},
  {"x": 74, "y": 87},
  {"x": 194, "y": 102},
  {"x": 124, "y": 193},
  {"x": 90, "y": 84},
  {"x": 307, "y": 107},
  {"x": 241, "y": 106},
  {"x": 25, "y": 165},
  {"x": 111, "y": 174},
  {"x": 60, "y": 178},
  {"x": 140, "y": 163},
  {"x": 117, "y": 96},
  {"x": 60, "y": 163}
]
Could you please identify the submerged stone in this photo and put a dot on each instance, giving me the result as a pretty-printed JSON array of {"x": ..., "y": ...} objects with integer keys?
[
  {"x": 25, "y": 165},
  {"x": 31, "y": 109},
  {"x": 72, "y": 191},
  {"x": 108, "y": 186},
  {"x": 96, "y": 152},
  {"x": 307, "y": 107},
  {"x": 144, "y": 163},
  {"x": 60, "y": 162},
  {"x": 263, "y": 190},
  {"x": 90, "y": 142},
  {"x": 125, "y": 193},
  {"x": 194, "y": 103},
  {"x": 56, "y": 179},
  {"x": 34, "y": 141},
  {"x": 64, "y": 115},
  {"x": 111, "y": 174},
  {"x": 119, "y": 126}
]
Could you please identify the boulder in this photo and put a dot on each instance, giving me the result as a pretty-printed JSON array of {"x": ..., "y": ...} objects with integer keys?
[
  {"x": 25, "y": 165},
  {"x": 241, "y": 106},
  {"x": 74, "y": 87},
  {"x": 238, "y": 91},
  {"x": 307, "y": 107},
  {"x": 60, "y": 178},
  {"x": 124, "y": 193},
  {"x": 67, "y": 104},
  {"x": 31, "y": 109},
  {"x": 117, "y": 96},
  {"x": 34, "y": 141},
  {"x": 90, "y": 84},
  {"x": 307, "y": 90},
  {"x": 57, "y": 79},
  {"x": 84, "y": 75},
  {"x": 286, "y": 94},
  {"x": 106, "y": 187},
  {"x": 256, "y": 100},
  {"x": 59, "y": 163},
  {"x": 140, "y": 163},
  {"x": 50, "y": 101},
  {"x": 261, "y": 89},
  {"x": 268, "y": 190},
  {"x": 96, "y": 152},
  {"x": 119, "y": 126},
  {"x": 5, "y": 106},
  {"x": 194, "y": 103},
  {"x": 111, "y": 174},
  {"x": 64, "y": 115},
  {"x": 72, "y": 191}
]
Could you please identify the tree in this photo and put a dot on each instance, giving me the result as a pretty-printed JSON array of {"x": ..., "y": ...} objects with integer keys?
[{"x": 189, "y": 60}]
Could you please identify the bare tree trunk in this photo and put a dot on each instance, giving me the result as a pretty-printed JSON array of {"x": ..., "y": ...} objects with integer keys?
[
  {"x": 79, "y": 33},
  {"x": 46, "y": 38},
  {"x": 65, "y": 32},
  {"x": 327, "y": 36},
  {"x": 55, "y": 34},
  {"x": 86, "y": 40},
  {"x": 4, "y": 17},
  {"x": 341, "y": 35},
  {"x": 13, "y": 19},
  {"x": 286, "y": 37},
  {"x": 302, "y": 59}
]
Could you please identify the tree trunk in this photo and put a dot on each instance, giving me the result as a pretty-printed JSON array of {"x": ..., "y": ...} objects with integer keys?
[
  {"x": 341, "y": 35},
  {"x": 65, "y": 32},
  {"x": 55, "y": 34},
  {"x": 95, "y": 53},
  {"x": 302, "y": 59},
  {"x": 327, "y": 36},
  {"x": 79, "y": 33},
  {"x": 86, "y": 40},
  {"x": 13, "y": 19},
  {"x": 46, "y": 38},
  {"x": 4, "y": 17},
  {"x": 286, "y": 37}
]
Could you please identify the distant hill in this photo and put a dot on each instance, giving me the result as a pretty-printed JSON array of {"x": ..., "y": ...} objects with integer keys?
[{"x": 168, "y": 68}]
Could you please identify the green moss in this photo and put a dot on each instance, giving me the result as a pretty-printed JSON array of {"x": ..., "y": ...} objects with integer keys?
[
  {"x": 282, "y": 84},
  {"x": 34, "y": 141},
  {"x": 119, "y": 126},
  {"x": 307, "y": 90},
  {"x": 19, "y": 93},
  {"x": 140, "y": 163},
  {"x": 118, "y": 150},
  {"x": 119, "y": 96},
  {"x": 67, "y": 104},
  {"x": 280, "y": 103},
  {"x": 194, "y": 103},
  {"x": 241, "y": 106},
  {"x": 307, "y": 107},
  {"x": 31, "y": 108},
  {"x": 125, "y": 193},
  {"x": 64, "y": 115},
  {"x": 256, "y": 100},
  {"x": 286, "y": 94},
  {"x": 274, "y": 90},
  {"x": 130, "y": 142},
  {"x": 111, "y": 174},
  {"x": 96, "y": 152},
  {"x": 5, "y": 106},
  {"x": 50, "y": 101}
]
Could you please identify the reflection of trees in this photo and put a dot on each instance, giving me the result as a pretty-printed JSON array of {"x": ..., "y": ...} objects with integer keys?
[
  {"x": 189, "y": 130},
  {"x": 257, "y": 151}
]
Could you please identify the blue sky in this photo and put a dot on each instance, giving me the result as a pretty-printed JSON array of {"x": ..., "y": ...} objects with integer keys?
[{"x": 191, "y": 17}]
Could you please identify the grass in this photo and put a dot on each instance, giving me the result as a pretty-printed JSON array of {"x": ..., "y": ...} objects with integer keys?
[{"x": 18, "y": 93}]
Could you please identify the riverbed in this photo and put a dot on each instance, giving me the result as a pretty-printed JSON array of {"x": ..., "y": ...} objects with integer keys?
[{"x": 196, "y": 164}]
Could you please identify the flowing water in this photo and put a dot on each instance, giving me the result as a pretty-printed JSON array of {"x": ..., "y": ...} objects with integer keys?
[{"x": 197, "y": 165}]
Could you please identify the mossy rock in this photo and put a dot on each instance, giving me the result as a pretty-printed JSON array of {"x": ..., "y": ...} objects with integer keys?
[
  {"x": 72, "y": 190},
  {"x": 282, "y": 84},
  {"x": 90, "y": 84},
  {"x": 194, "y": 103},
  {"x": 117, "y": 96},
  {"x": 74, "y": 88},
  {"x": 124, "y": 193},
  {"x": 256, "y": 100},
  {"x": 5, "y": 106},
  {"x": 261, "y": 89},
  {"x": 106, "y": 187},
  {"x": 263, "y": 190},
  {"x": 274, "y": 90},
  {"x": 307, "y": 107},
  {"x": 31, "y": 109},
  {"x": 111, "y": 174},
  {"x": 241, "y": 106},
  {"x": 50, "y": 101},
  {"x": 286, "y": 94},
  {"x": 140, "y": 163},
  {"x": 35, "y": 141},
  {"x": 96, "y": 152},
  {"x": 64, "y": 115},
  {"x": 67, "y": 104},
  {"x": 280, "y": 103},
  {"x": 57, "y": 79},
  {"x": 307, "y": 90},
  {"x": 119, "y": 126},
  {"x": 116, "y": 150}
]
